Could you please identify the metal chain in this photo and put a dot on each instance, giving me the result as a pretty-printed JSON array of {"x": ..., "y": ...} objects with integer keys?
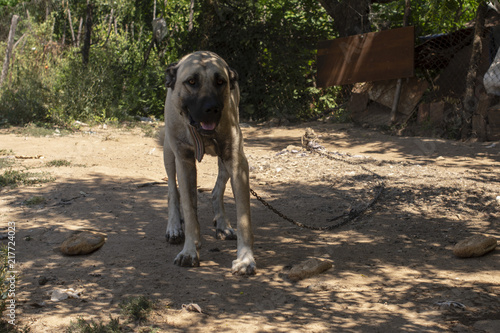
[{"x": 353, "y": 213}]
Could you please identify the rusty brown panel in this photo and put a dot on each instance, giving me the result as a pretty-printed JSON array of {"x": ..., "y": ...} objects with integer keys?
[{"x": 368, "y": 57}]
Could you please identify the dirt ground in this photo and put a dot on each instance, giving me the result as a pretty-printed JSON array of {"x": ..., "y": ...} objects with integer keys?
[{"x": 393, "y": 267}]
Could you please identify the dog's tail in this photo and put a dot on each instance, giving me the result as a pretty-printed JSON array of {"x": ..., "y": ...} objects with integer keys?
[{"x": 161, "y": 136}]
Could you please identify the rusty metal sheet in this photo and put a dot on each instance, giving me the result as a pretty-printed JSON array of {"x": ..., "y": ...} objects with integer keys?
[{"x": 368, "y": 57}]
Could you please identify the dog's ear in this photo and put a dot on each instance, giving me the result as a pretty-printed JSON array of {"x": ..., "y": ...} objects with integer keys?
[
  {"x": 171, "y": 75},
  {"x": 233, "y": 77}
]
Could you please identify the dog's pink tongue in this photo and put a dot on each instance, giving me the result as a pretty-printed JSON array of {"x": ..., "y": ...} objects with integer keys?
[{"x": 208, "y": 126}]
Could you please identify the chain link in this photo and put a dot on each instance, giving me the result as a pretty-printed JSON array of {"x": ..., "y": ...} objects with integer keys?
[{"x": 345, "y": 218}]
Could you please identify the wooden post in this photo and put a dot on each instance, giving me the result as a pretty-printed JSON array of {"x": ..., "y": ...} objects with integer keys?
[
  {"x": 10, "y": 46},
  {"x": 397, "y": 93},
  {"x": 470, "y": 100}
]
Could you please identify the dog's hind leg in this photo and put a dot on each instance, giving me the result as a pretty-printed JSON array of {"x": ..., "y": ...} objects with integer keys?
[
  {"x": 222, "y": 224},
  {"x": 174, "y": 233}
]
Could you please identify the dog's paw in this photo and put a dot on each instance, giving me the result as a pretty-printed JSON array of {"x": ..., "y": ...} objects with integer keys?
[
  {"x": 175, "y": 237},
  {"x": 245, "y": 266},
  {"x": 187, "y": 260},
  {"x": 226, "y": 234}
]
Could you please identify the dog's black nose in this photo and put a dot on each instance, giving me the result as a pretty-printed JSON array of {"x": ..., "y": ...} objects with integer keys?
[{"x": 213, "y": 109}]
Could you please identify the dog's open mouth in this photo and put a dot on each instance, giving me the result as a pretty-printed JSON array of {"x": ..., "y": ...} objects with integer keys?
[
  {"x": 208, "y": 126},
  {"x": 204, "y": 127}
]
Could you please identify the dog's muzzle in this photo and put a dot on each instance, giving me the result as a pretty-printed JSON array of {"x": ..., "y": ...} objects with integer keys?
[{"x": 204, "y": 115}]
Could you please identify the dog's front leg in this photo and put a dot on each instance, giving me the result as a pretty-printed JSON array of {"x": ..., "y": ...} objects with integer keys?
[
  {"x": 186, "y": 177},
  {"x": 245, "y": 262},
  {"x": 174, "y": 233}
]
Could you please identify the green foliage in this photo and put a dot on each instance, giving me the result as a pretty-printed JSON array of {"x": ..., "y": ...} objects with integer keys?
[
  {"x": 27, "y": 94},
  {"x": 134, "y": 309},
  {"x": 82, "y": 326},
  {"x": 10, "y": 3},
  {"x": 14, "y": 178},
  {"x": 271, "y": 44},
  {"x": 4, "y": 161},
  {"x": 438, "y": 16},
  {"x": 22, "y": 106},
  {"x": 137, "y": 309},
  {"x": 48, "y": 82},
  {"x": 87, "y": 93},
  {"x": 58, "y": 163},
  {"x": 41, "y": 130},
  {"x": 35, "y": 201},
  {"x": 4, "y": 152},
  {"x": 428, "y": 16}
]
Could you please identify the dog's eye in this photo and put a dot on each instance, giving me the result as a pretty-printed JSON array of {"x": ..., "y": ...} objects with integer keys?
[
  {"x": 220, "y": 82},
  {"x": 192, "y": 82}
]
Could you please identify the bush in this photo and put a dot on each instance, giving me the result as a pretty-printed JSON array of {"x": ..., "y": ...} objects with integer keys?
[
  {"x": 271, "y": 44},
  {"x": 115, "y": 85},
  {"x": 137, "y": 309},
  {"x": 23, "y": 105},
  {"x": 274, "y": 55}
]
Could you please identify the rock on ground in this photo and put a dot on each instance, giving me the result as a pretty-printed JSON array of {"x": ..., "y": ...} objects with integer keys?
[
  {"x": 308, "y": 268},
  {"x": 474, "y": 246},
  {"x": 83, "y": 242}
]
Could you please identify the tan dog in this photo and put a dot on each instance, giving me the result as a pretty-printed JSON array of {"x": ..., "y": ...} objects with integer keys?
[{"x": 201, "y": 115}]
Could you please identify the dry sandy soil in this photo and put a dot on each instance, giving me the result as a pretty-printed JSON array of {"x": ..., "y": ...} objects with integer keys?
[{"x": 393, "y": 266}]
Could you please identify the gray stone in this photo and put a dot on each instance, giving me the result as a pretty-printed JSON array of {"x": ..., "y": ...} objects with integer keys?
[
  {"x": 475, "y": 246},
  {"x": 83, "y": 242},
  {"x": 320, "y": 286},
  {"x": 489, "y": 326}
]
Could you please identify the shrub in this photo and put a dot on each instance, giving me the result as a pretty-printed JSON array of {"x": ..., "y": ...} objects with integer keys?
[{"x": 274, "y": 55}]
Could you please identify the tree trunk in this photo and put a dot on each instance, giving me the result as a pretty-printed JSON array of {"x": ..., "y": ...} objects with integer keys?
[
  {"x": 47, "y": 10},
  {"x": 52, "y": 29},
  {"x": 350, "y": 17},
  {"x": 470, "y": 100},
  {"x": 64, "y": 34},
  {"x": 71, "y": 28},
  {"x": 79, "y": 36},
  {"x": 8, "y": 53},
  {"x": 191, "y": 15},
  {"x": 109, "y": 26},
  {"x": 88, "y": 34}
]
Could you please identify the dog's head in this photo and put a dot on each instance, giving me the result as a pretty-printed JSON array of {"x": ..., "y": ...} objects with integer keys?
[{"x": 203, "y": 82}]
